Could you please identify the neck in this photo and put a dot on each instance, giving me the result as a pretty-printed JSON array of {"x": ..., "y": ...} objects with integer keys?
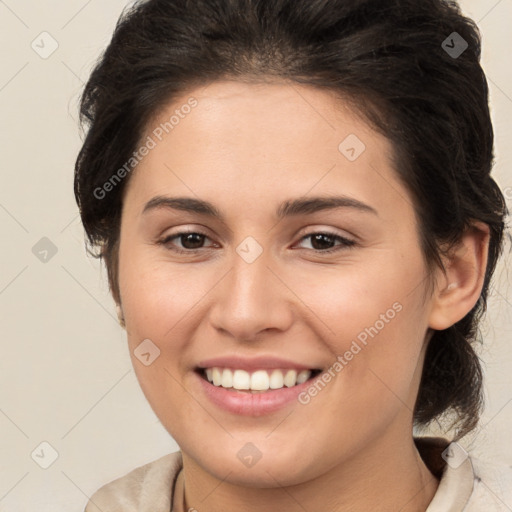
[{"x": 391, "y": 477}]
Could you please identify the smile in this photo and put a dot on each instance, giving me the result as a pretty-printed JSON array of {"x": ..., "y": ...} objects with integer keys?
[
  {"x": 258, "y": 381},
  {"x": 255, "y": 392}
]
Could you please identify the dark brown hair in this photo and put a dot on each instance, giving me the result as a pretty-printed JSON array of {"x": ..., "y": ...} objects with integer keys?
[{"x": 394, "y": 61}]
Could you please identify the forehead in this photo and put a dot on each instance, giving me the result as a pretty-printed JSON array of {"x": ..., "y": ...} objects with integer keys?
[
  {"x": 256, "y": 143},
  {"x": 261, "y": 110}
]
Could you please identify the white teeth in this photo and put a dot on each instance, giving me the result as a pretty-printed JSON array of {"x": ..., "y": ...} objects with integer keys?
[
  {"x": 216, "y": 376},
  {"x": 276, "y": 379},
  {"x": 260, "y": 380},
  {"x": 290, "y": 379},
  {"x": 303, "y": 376},
  {"x": 241, "y": 379},
  {"x": 227, "y": 379}
]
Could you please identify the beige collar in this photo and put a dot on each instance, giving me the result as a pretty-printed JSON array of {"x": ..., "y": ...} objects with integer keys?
[{"x": 178, "y": 494}]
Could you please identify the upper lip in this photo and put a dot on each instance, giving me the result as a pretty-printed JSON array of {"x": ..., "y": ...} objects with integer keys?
[{"x": 253, "y": 363}]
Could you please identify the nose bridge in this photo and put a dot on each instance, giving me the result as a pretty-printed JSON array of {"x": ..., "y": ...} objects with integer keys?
[
  {"x": 250, "y": 277},
  {"x": 250, "y": 298}
]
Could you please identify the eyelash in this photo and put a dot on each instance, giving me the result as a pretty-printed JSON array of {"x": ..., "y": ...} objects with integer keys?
[{"x": 346, "y": 243}]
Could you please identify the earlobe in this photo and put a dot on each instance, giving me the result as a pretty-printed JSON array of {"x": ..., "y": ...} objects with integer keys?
[{"x": 461, "y": 285}]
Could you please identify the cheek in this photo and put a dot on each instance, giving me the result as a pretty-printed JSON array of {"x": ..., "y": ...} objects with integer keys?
[
  {"x": 351, "y": 297},
  {"x": 373, "y": 323},
  {"x": 156, "y": 294},
  {"x": 158, "y": 302}
]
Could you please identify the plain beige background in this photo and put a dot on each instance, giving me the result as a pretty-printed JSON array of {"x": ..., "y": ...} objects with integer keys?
[{"x": 65, "y": 374}]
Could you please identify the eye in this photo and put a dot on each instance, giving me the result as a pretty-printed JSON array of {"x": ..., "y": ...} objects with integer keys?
[
  {"x": 323, "y": 239},
  {"x": 191, "y": 241}
]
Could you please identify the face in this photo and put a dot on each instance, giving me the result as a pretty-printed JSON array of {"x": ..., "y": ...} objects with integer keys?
[{"x": 312, "y": 262}]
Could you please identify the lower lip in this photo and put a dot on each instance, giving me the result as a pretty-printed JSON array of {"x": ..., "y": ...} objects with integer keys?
[{"x": 252, "y": 404}]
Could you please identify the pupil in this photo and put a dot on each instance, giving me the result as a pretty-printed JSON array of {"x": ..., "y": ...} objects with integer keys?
[
  {"x": 321, "y": 237},
  {"x": 189, "y": 238}
]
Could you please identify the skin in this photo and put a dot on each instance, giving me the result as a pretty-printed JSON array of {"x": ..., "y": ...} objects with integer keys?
[{"x": 246, "y": 148}]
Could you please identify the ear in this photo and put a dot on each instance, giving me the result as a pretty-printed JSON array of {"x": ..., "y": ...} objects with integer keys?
[{"x": 458, "y": 291}]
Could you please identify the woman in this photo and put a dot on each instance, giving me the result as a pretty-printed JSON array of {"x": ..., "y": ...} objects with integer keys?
[{"x": 294, "y": 203}]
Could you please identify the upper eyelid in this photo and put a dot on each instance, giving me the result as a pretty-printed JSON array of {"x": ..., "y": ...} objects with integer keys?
[{"x": 306, "y": 231}]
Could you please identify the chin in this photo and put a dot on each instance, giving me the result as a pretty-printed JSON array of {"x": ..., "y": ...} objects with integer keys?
[{"x": 252, "y": 467}]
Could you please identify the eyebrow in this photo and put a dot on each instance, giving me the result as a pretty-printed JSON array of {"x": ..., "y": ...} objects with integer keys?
[{"x": 289, "y": 208}]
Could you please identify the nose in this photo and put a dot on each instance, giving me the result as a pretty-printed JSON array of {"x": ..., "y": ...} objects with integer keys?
[{"x": 251, "y": 299}]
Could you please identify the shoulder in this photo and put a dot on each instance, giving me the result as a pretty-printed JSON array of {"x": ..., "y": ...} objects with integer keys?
[
  {"x": 492, "y": 489},
  {"x": 147, "y": 488}
]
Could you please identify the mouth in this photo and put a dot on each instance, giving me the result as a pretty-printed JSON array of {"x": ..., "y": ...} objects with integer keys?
[{"x": 257, "y": 381}]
